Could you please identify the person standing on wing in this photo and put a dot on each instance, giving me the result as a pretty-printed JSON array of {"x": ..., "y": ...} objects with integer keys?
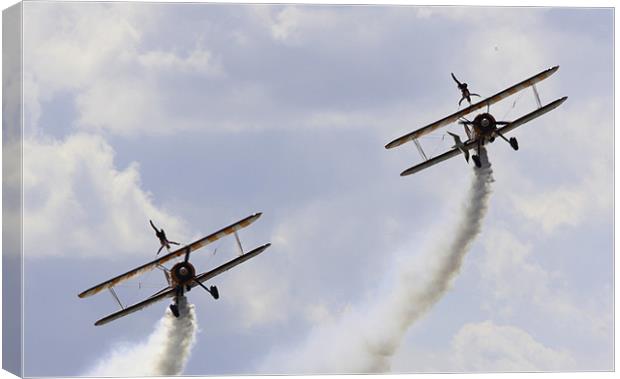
[
  {"x": 465, "y": 94},
  {"x": 163, "y": 240}
]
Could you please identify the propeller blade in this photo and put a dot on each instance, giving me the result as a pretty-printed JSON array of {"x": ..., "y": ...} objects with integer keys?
[{"x": 187, "y": 254}]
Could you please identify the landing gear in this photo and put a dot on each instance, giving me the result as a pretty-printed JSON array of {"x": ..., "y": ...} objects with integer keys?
[
  {"x": 476, "y": 157},
  {"x": 514, "y": 144},
  {"x": 175, "y": 310},
  {"x": 476, "y": 160},
  {"x": 214, "y": 292}
]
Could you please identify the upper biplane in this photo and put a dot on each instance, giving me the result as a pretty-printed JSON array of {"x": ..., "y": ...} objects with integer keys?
[
  {"x": 182, "y": 276},
  {"x": 483, "y": 128}
]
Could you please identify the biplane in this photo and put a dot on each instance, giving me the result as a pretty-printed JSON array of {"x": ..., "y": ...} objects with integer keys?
[
  {"x": 182, "y": 276},
  {"x": 482, "y": 129}
]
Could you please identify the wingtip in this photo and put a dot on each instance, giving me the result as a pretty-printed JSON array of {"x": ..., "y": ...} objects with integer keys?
[
  {"x": 391, "y": 144},
  {"x": 561, "y": 100}
]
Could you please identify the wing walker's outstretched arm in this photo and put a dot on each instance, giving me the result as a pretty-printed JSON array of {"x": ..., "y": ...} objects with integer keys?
[{"x": 153, "y": 226}]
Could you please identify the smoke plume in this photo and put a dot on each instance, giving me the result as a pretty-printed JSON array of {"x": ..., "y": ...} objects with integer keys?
[
  {"x": 364, "y": 337},
  {"x": 165, "y": 352}
]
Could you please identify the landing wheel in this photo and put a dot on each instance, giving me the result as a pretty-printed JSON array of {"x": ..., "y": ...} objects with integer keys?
[
  {"x": 175, "y": 310},
  {"x": 214, "y": 292},
  {"x": 491, "y": 139},
  {"x": 514, "y": 144},
  {"x": 476, "y": 160}
]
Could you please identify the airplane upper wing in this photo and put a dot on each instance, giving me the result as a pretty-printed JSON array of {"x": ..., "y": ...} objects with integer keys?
[
  {"x": 230, "y": 264},
  {"x": 481, "y": 104},
  {"x": 177, "y": 253},
  {"x": 470, "y": 145},
  {"x": 160, "y": 295}
]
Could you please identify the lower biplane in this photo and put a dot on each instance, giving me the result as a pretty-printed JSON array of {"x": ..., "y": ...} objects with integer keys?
[
  {"x": 182, "y": 276},
  {"x": 484, "y": 128}
]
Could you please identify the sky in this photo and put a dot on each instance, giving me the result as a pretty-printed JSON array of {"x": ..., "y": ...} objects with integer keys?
[{"x": 197, "y": 115}]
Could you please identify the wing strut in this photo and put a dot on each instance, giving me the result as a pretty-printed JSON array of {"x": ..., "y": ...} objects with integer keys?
[
  {"x": 420, "y": 150},
  {"x": 536, "y": 96},
  {"x": 239, "y": 244},
  {"x": 116, "y": 297}
]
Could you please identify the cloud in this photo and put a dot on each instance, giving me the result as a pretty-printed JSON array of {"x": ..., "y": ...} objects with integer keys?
[
  {"x": 584, "y": 187},
  {"x": 487, "y": 347},
  {"x": 258, "y": 296},
  {"x": 515, "y": 280},
  {"x": 96, "y": 52},
  {"x": 103, "y": 209}
]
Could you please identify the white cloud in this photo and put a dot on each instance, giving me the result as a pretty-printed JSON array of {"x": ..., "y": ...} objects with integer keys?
[
  {"x": 488, "y": 347},
  {"x": 485, "y": 346},
  {"x": 286, "y": 23},
  {"x": 586, "y": 162},
  {"x": 198, "y": 61},
  {"x": 258, "y": 295},
  {"x": 102, "y": 209},
  {"x": 96, "y": 52},
  {"x": 516, "y": 281}
]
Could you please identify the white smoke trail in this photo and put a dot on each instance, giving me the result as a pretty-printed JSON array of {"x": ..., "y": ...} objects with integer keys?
[
  {"x": 165, "y": 352},
  {"x": 365, "y": 337}
]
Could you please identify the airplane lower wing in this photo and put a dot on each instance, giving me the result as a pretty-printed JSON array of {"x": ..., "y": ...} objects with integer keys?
[
  {"x": 440, "y": 158},
  {"x": 472, "y": 108},
  {"x": 230, "y": 264},
  {"x": 158, "y": 296},
  {"x": 175, "y": 254},
  {"x": 470, "y": 145}
]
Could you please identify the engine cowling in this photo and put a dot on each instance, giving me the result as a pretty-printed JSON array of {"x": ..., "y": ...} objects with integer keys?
[{"x": 182, "y": 273}]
